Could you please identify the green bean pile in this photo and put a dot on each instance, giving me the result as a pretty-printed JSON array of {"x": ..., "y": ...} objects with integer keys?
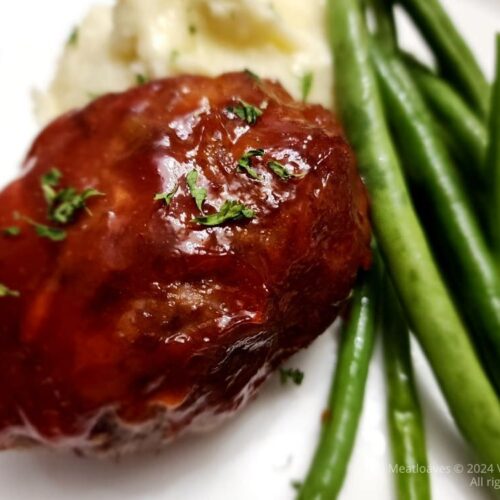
[{"x": 427, "y": 140}]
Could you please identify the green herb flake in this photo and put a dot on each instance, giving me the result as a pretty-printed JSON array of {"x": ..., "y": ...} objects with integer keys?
[
  {"x": 49, "y": 183},
  {"x": 199, "y": 194},
  {"x": 69, "y": 202},
  {"x": 141, "y": 79},
  {"x": 294, "y": 375},
  {"x": 11, "y": 231},
  {"x": 307, "y": 82},
  {"x": 296, "y": 485},
  {"x": 192, "y": 29},
  {"x": 64, "y": 204},
  {"x": 254, "y": 76},
  {"x": 51, "y": 233},
  {"x": 282, "y": 172},
  {"x": 231, "y": 210},
  {"x": 7, "y": 292},
  {"x": 245, "y": 163},
  {"x": 247, "y": 112},
  {"x": 167, "y": 197},
  {"x": 73, "y": 38}
]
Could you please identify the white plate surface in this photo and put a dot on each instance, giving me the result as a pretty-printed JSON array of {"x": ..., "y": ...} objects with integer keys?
[{"x": 257, "y": 454}]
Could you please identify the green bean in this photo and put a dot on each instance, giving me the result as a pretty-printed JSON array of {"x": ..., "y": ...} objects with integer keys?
[
  {"x": 329, "y": 466},
  {"x": 461, "y": 130},
  {"x": 465, "y": 132},
  {"x": 385, "y": 24},
  {"x": 407, "y": 256},
  {"x": 432, "y": 172},
  {"x": 493, "y": 159},
  {"x": 468, "y": 130},
  {"x": 456, "y": 61},
  {"x": 405, "y": 416}
]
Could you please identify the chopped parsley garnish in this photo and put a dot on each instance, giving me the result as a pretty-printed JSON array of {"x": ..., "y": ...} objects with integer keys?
[
  {"x": 69, "y": 202},
  {"x": 65, "y": 203},
  {"x": 51, "y": 233},
  {"x": 231, "y": 210},
  {"x": 252, "y": 75},
  {"x": 7, "y": 292},
  {"x": 49, "y": 183},
  {"x": 73, "y": 38},
  {"x": 306, "y": 85},
  {"x": 141, "y": 79},
  {"x": 192, "y": 29},
  {"x": 245, "y": 163},
  {"x": 247, "y": 112},
  {"x": 294, "y": 375},
  {"x": 63, "y": 206},
  {"x": 282, "y": 172},
  {"x": 11, "y": 231},
  {"x": 199, "y": 194},
  {"x": 167, "y": 197},
  {"x": 296, "y": 485}
]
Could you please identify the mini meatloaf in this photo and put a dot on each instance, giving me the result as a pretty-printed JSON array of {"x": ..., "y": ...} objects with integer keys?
[{"x": 166, "y": 249}]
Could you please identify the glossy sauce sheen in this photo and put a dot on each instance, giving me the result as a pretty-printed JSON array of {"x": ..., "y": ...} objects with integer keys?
[{"x": 143, "y": 323}]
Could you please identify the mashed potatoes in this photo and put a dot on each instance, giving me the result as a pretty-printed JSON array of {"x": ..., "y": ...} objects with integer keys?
[{"x": 116, "y": 48}]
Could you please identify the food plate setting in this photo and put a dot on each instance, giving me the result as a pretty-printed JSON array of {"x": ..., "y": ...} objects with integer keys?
[{"x": 250, "y": 249}]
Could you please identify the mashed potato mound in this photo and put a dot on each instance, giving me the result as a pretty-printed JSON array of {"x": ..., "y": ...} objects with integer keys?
[{"x": 118, "y": 47}]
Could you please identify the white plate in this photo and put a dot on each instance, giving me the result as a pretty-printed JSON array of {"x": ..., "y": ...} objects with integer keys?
[{"x": 259, "y": 453}]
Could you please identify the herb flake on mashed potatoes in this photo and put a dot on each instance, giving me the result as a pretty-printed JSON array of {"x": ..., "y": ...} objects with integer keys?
[{"x": 118, "y": 47}]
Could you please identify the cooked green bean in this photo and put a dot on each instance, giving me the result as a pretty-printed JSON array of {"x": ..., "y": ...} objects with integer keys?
[
  {"x": 329, "y": 466},
  {"x": 465, "y": 133},
  {"x": 455, "y": 58},
  {"x": 432, "y": 172},
  {"x": 429, "y": 308},
  {"x": 385, "y": 24},
  {"x": 493, "y": 160},
  {"x": 405, "y": 417},
  {"x": 468, "y": 130}
]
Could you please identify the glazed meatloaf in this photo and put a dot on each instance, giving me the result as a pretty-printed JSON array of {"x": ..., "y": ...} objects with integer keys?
[{"x": 163, "y": 251}]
